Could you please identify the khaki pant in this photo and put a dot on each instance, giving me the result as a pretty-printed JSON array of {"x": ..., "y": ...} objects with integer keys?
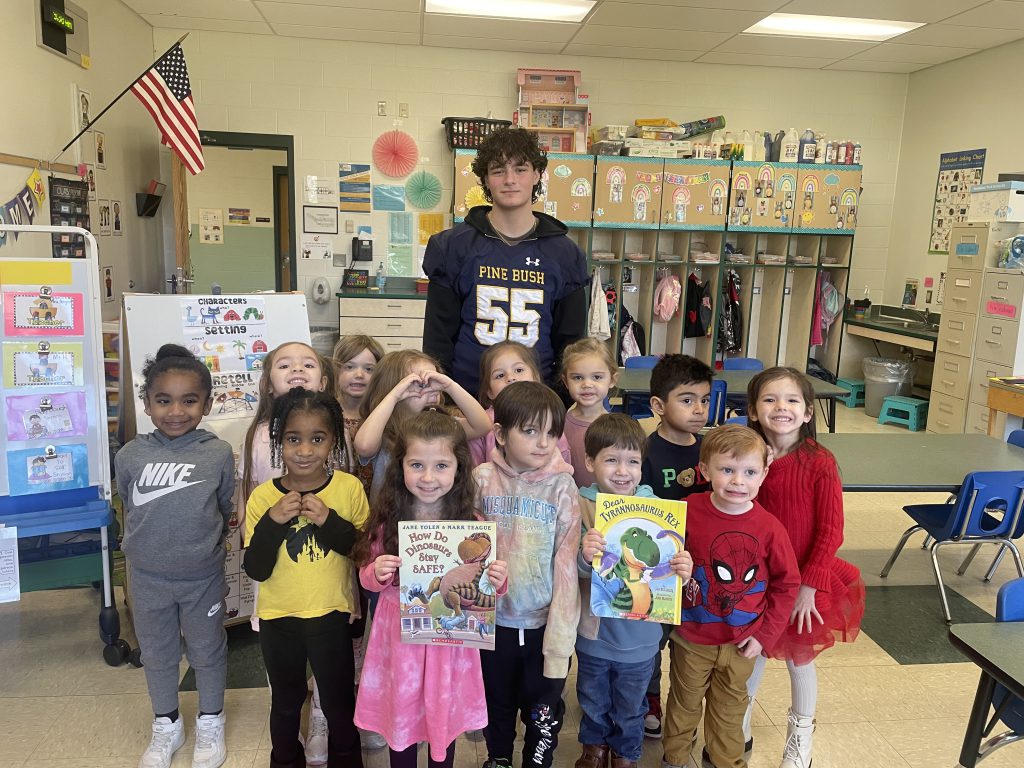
[{"x": 718, "y": 673}]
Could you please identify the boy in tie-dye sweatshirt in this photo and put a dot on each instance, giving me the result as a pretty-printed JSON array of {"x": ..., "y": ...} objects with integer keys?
[{"x": 528, "y": 490}]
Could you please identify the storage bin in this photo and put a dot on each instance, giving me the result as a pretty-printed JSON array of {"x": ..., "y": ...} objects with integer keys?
[{"x": 884, "y": 377}]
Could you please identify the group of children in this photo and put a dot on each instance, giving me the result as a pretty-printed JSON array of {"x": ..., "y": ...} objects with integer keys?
[{"x": 341, "y": 451}]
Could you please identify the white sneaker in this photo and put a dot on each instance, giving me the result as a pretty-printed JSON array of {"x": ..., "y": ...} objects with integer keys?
[
  {"x": 799, "y": 737},
  {"x": 371, "y": 740},
  {"x": 210, "y": 751},
  {"x": 166, "y": 740},
  {"x": 316, "y": 737}
]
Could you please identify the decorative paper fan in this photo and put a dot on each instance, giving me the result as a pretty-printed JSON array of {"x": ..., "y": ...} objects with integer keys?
[
  {"x": 423, "y": 190},
  {"x": 475, "y": 197},
  {"x": 395, "y": 153}
]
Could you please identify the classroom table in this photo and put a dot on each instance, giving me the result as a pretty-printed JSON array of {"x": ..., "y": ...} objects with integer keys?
[
  {"x": 1003, "y": 398},
  {"x": 637, "y": 381},
  {"x": 916, "y": 461},
  {"x": 995, "y": 648}
]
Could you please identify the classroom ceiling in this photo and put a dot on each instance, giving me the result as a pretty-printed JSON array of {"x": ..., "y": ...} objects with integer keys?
[{"x": 707, "y": 31}]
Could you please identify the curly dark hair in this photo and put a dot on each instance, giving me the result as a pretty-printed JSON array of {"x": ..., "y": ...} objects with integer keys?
[
  {"x": 394, "y": 502},
  {"x": 509, "y": 145},
  {"x": 174, "y": 357},
  {"x": 299, "y": 400}
]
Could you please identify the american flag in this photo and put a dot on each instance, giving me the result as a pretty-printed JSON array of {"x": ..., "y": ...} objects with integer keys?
[{"x": 165, "y": 91}]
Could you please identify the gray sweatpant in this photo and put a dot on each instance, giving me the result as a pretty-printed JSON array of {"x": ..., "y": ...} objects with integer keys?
[{"x": 166, "y": 610}]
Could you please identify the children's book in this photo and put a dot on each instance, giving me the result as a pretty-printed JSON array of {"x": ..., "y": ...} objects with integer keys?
[
  {"x": 633, "y": 578},
  {"x": 445, "y": 596}
]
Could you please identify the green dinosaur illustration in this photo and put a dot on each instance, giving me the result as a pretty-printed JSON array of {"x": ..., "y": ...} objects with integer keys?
[{"x": 639, "y": 553}]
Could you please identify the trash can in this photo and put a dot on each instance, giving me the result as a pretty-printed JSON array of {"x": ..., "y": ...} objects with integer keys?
[{"x": 884, "y": 377}]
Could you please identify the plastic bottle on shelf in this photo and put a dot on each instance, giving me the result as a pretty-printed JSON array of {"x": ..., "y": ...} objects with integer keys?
[
  {"x": 830, "y": 152},
  {"x": 808, "y": 147},
  {"x": 841, "y": 152},
  {"x": 790, "y": 147},
  {"x": 716, "y": 144},
  {"x": 777, "y": 147},
  {"x": 747, "y": 152},
  {"x": 382, "y": 279},
  {"x": 856, "y": 153},
  {"x": 757, "y": 151},
  {"x": 819, "y": 147}
]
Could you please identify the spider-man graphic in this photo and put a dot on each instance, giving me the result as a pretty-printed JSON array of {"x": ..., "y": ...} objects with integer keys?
[{"x": 715, "y": 594}]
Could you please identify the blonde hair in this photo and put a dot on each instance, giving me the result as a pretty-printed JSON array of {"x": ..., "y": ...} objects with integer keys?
[
  {"x": 391, "y": 369},
  {"x": 350, "y": 346},
  {"x": 491, "y": 353},
  {"x": 733, "y": 440},
  {"x": 587, "y": 347}
]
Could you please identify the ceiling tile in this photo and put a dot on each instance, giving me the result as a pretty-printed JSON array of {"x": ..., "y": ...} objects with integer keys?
[
  {"x": 208, "y": 25},
  {"x": 411, "y": 6},
  {"x": 497, "y": 29},
  {"x": 760, "y": 60},
  {"x": 894, "y": 10},
  {"x": 668, "y": 39},
  {"x": 921, "y": 54},
  {"x": 349, "y": 18},
  {"x": 491, "y": 44},
  {"x": 852, "y": 65},
  {"x": 198, "y": 9},
  {"x": 626, "y": 52},
  {"x": 792, "y": 46},
  {"x": 671, "y": 17},
  {"x": 345, "y": 33},
  {"x": 996, "y": 15},
  {"x": 960, "y": 37}
]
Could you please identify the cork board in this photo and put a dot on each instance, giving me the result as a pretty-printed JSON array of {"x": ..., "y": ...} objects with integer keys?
[
  {"x": 568, "y": 183},
  {"x": 827, "y": 198},
  {"x": 763, "y": 196},
  {"x": 627, "y": 192},
  {"x": 694, "y": 194}
]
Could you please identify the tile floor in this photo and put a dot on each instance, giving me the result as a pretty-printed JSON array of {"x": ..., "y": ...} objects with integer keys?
[{"x": 61, "y": 706}]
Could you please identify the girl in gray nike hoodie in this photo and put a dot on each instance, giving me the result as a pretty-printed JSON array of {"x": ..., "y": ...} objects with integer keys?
[{"x": 176, "y": 486}]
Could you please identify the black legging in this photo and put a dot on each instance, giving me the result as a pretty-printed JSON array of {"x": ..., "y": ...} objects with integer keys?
[{"x": 407, "y": 758}]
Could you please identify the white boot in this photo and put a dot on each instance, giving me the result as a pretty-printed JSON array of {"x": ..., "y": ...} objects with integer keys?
[{"x": 799, "y": 737}]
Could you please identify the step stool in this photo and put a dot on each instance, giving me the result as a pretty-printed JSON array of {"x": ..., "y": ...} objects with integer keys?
[
  {"x": 856, "y": 389},
  {"x": 911, "y": 412}
]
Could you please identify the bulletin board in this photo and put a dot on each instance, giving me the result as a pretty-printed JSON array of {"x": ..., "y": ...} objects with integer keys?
[
  {"x": 763, "y": 196},
  {"x": 54, "y": 414},
  {"x": 231, "y": 334},
  {"x": 627, "y": 192},
  {"x": 694, "y": 194},
  {"x": 568, "y": 188},
  {"x": 827, "y": 198}
]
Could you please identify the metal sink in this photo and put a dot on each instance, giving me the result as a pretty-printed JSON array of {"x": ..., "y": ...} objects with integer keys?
[{"x": 910, "y": 325}]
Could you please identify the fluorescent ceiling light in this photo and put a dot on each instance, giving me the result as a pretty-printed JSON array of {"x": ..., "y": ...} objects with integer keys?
[
  {"x": 840, "y": 27},
  {"x": 534, "y": 10}
]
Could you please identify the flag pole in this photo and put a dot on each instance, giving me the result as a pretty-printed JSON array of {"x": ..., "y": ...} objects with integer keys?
[{"x": 116, "y": 98}]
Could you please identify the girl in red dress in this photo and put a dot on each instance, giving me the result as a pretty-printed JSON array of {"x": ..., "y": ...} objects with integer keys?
[{"x": 804, "y": 492}]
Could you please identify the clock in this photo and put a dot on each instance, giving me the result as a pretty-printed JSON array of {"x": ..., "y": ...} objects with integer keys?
[{"x": 56, "y": 17}]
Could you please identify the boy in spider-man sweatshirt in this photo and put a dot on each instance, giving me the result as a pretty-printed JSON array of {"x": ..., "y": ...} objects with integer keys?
[{"x": 744, "y": 584}]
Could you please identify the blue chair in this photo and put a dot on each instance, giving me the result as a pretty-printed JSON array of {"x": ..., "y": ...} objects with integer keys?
[
  {"x": 741, "y": 420},
  {"x": 716, "y": 406},
  {"x": 987, "y": 511},
  {"x": 641, "y": 409},
  {"x": 642, "y": 361},
  {"x": 742, "y": 364},
  {"x": 1008, "y": 708},
  {"x": 1014, "y": 438}
]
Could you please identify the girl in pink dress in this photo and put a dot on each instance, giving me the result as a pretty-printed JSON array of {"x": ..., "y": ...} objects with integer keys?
[{"x": 413, "y": 693}]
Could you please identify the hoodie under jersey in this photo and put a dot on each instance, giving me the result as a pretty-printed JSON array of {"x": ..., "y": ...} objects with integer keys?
[
  {"x": 177, "y": 496},
  {"x": 538, "y": 520}
]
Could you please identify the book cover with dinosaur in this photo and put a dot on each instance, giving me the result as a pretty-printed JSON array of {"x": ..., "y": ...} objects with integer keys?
[
  {"x": 633, "y": 579},
  {"x": 444, "y": 594}
]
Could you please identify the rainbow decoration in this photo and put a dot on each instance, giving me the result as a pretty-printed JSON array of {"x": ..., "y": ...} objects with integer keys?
[
  {"x": 616, "y": 175},
  {"x": 580, "y": 188},
  {"x": 717, "y": 188},
  {"x": 787, "y": 183},
  {"x": 641, "y": 194},
  {"x": 849, "y": 197},
  {"x": 681, "y": 196},
  {"x": 810, "y": 183},
  {"x": 766, "y": 173},
  {"x": 741, "y": 181}
]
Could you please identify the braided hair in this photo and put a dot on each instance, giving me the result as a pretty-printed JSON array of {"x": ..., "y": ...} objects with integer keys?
[
  {"x": 299, "y": 400},
  {"x": 174, "y": 357}
]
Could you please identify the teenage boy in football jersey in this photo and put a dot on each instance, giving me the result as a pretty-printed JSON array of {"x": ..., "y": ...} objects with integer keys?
[{"x": 506, "y": 272}]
